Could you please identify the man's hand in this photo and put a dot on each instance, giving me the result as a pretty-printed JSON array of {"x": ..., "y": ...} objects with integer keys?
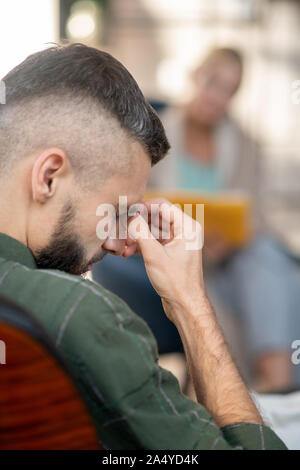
[
  {"x": 174, "y": 265},
  {"x": 172, "y": 257}
]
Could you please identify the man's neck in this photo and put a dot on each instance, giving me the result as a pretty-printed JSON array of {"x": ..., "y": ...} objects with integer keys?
[{"x": 13, "y": 214}]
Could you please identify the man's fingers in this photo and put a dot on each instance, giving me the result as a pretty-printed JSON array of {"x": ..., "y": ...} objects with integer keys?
[{"x": 138, "y": 229}]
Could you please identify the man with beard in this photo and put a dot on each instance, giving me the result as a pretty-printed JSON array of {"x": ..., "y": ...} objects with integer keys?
[{"x": 76, "y": 133}]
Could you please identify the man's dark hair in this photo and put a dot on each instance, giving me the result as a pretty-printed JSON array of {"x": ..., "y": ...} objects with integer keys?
[{"x": 80, "y": 74}]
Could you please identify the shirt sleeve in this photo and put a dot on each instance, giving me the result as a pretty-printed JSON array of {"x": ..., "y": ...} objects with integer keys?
[{"x": 134, "y": 402}]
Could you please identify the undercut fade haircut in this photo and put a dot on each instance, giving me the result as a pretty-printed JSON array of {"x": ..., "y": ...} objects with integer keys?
[{"x": 79, "y": 98}]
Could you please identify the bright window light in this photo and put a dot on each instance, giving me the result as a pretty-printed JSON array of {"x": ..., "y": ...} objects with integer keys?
[{"x": 81, "y": 25}]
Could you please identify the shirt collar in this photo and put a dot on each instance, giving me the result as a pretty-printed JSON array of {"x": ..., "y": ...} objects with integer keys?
[{"x": 13, "y": 250}]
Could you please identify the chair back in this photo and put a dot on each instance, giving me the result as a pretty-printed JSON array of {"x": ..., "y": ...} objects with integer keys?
[{"x": 40, "y": 406}]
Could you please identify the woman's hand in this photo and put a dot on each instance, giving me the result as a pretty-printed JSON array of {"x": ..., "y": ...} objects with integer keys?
[{"x": 216, "y": 249}]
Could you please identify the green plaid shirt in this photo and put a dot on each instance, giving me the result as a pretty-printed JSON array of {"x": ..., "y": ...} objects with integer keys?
[{"x": 113, "y": 355}]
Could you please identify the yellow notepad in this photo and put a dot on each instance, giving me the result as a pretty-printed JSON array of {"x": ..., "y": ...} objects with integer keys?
[{"x": 225, "y": 214}]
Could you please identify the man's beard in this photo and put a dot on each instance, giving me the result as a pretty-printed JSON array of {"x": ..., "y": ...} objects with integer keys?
[{"x": 65, "y": 251}]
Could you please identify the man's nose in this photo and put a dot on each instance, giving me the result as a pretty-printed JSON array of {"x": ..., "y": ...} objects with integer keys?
[{"x": 115, "y": 246}]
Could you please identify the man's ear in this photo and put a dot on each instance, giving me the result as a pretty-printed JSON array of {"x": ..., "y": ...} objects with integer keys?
[{"x": 48, "y": 167}]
